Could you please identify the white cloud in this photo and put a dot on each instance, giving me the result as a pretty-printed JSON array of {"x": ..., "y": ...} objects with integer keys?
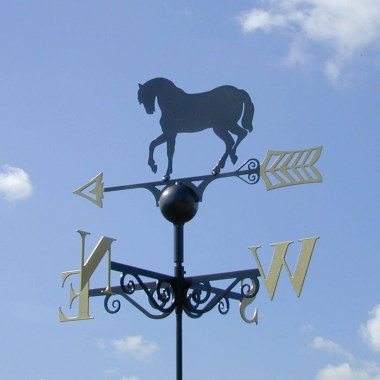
[
  {"x": 111, "y": 371},
  {"x": 352, "y": 369},
  {"x": 371, "y": 329},
  {"x": 308, "y": 328},
  {"x": 136, "y": 346},
  {"x": 260, "y": 19},
  {"x": 14, "y": 183},
  {"x": 298, "y": 55},
  {"x": 331, "y": 347},
  {"x": 346, "y": 27},
  {"x": 345, "y": 372}
]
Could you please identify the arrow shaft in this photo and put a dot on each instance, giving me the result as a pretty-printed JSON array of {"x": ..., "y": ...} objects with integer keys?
[
  {"x": 149, "y": 185},
  {"x": 250, "y": 169},
  {"x": 135, "y": 186}
]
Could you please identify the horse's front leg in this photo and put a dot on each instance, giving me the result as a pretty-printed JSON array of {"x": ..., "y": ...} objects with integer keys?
[
  {"x": 229, "y": 141},
  {"x": 170, "y": 143},
  {"x": 241, "y": 134},
  {"x": 158, "y": 141}
]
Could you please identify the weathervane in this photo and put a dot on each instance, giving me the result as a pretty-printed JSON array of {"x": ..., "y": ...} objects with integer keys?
[{"x": 220, "y": 109}]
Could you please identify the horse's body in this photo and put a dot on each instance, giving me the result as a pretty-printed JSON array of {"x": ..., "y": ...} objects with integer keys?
[{"x": 219, "y": 109}]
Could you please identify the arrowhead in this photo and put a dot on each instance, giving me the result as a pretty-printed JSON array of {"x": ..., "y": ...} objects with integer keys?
[{"x": 97, "y": 190}]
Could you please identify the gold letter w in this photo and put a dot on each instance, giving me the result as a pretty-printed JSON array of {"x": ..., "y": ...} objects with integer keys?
[{"x": 278, "y": 261}]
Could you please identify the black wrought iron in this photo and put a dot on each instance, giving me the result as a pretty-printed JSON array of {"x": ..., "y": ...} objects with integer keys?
[
  {"x": 197, "y": 296},
  {"x": 220, "y": 109},
  {"x": 249, "y": 172},
  {"x": 202, "y": 297},
  {"x": 194, "y": 295}
]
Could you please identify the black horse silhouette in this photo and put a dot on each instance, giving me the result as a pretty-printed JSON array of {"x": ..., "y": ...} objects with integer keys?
[{"x": 219, "y": 109}]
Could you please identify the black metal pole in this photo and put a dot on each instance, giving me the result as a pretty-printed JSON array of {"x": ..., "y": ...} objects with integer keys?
[
  {"x": 179, "y": 275},
  {"x": 178, "y": 204}
]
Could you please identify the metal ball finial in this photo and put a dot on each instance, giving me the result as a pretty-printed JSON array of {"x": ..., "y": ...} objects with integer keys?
[{"x": 178, "y": 203}]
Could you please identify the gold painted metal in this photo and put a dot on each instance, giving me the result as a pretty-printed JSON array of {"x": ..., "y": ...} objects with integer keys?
[
  {"x": 278, "y": 261},
  {"x": 96, "y": 256},
  {"x": 82, "y": 295},
  {"x": 245, "y": 302},
  {"x": 97, "y": 190},
  {"x": 87, "y": 269},
  {"x": 287, "y": 168}
]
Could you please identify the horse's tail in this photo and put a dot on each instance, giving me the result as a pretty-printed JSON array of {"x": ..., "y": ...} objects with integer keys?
[{"x": 249, "y": 110}]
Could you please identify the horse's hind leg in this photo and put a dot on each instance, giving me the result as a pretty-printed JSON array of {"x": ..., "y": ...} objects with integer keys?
[
  {"x": 158, "y": 141},
  {"x": 229, "y": 141},
  {"x": 241, "y": 134}
]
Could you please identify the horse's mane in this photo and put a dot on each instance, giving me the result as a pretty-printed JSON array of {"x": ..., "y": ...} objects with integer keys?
[{"x": 160, "y": 82}]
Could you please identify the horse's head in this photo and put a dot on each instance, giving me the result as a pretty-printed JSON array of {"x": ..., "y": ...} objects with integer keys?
[{"x": 147, "y": 98}]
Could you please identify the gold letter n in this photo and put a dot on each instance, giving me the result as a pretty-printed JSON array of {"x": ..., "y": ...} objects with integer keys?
[
  {"x": 85, "y": 273},
  {"x": 278, "y": 261}
]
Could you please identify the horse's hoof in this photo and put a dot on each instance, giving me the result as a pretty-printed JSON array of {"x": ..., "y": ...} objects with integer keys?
[
  {"x": 234, "y": 159},
  {"x": 154, "y": 168},
  {"x": 165, "y": 178},
  {"x": 215, "y": 171}
]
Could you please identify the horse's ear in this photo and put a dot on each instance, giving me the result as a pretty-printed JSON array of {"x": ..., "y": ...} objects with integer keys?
[{"x": 140, "y": 85}]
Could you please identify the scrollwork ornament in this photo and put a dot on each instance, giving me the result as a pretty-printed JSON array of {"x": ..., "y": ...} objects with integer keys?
[
  {"x": 199, "y": 294},
  {"x": 224, "y": 306},
  {"x": 249, "y": 171},
  {"x": 116, "y": 305},
  {"x": 253, "y": 178},
  {"x": 249, "y": 290},
  {"x": 128, "y": 288},
  {"x": 164, "y": 292},
  {"x": 245, "y": 289},
  {"x": 164, "y": 295},
  {"x": 253, "y": 164}
]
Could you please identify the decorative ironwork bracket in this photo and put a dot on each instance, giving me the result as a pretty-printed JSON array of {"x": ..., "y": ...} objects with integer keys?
[
  {"x": 195, "y": 295},
  {"x": 249, "y": 172},
  {"x": 279, "y": 169},
  {"x": 178, "y": 200}
]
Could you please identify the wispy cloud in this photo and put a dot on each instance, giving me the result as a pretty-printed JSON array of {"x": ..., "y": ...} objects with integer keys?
[
  {"x": 331, "y": 347},
  {"x": 345, "y": 27},
  {"x": 136, "y": 346},
  {"x": 14, "y": 183},
  {"x": 352, "y": 368},
  {"x": 111, "y": 371},
  {"x": 308, "y": 328},
  {"x": 345, "y": 371},
  {"x": 130, "y": 347},
  {"x": 371, "y": 329},
  {"x": 130, "y": 378}
]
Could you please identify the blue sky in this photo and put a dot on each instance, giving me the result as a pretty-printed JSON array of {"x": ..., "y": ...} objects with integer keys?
[{"x": 69, "y": 74}]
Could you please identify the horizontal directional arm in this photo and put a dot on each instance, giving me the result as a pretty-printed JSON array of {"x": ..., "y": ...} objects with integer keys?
[
  {"x": 249, "y": 172},
  {"x": 279, "y": 169},
  {"x": 198, "y": 297}
]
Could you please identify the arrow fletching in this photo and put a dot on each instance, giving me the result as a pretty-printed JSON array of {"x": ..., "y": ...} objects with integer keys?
[
  {"x": 97, "y": 190},
  {"x": 288, "y": 168}
]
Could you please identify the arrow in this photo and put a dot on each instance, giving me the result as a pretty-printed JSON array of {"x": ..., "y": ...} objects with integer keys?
[
  {"x": 287, "y": 168},
  {"x": 249, "y": 172},
  {"x": 279, "y": 169},
  {"x": 97, "y": 190}
]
